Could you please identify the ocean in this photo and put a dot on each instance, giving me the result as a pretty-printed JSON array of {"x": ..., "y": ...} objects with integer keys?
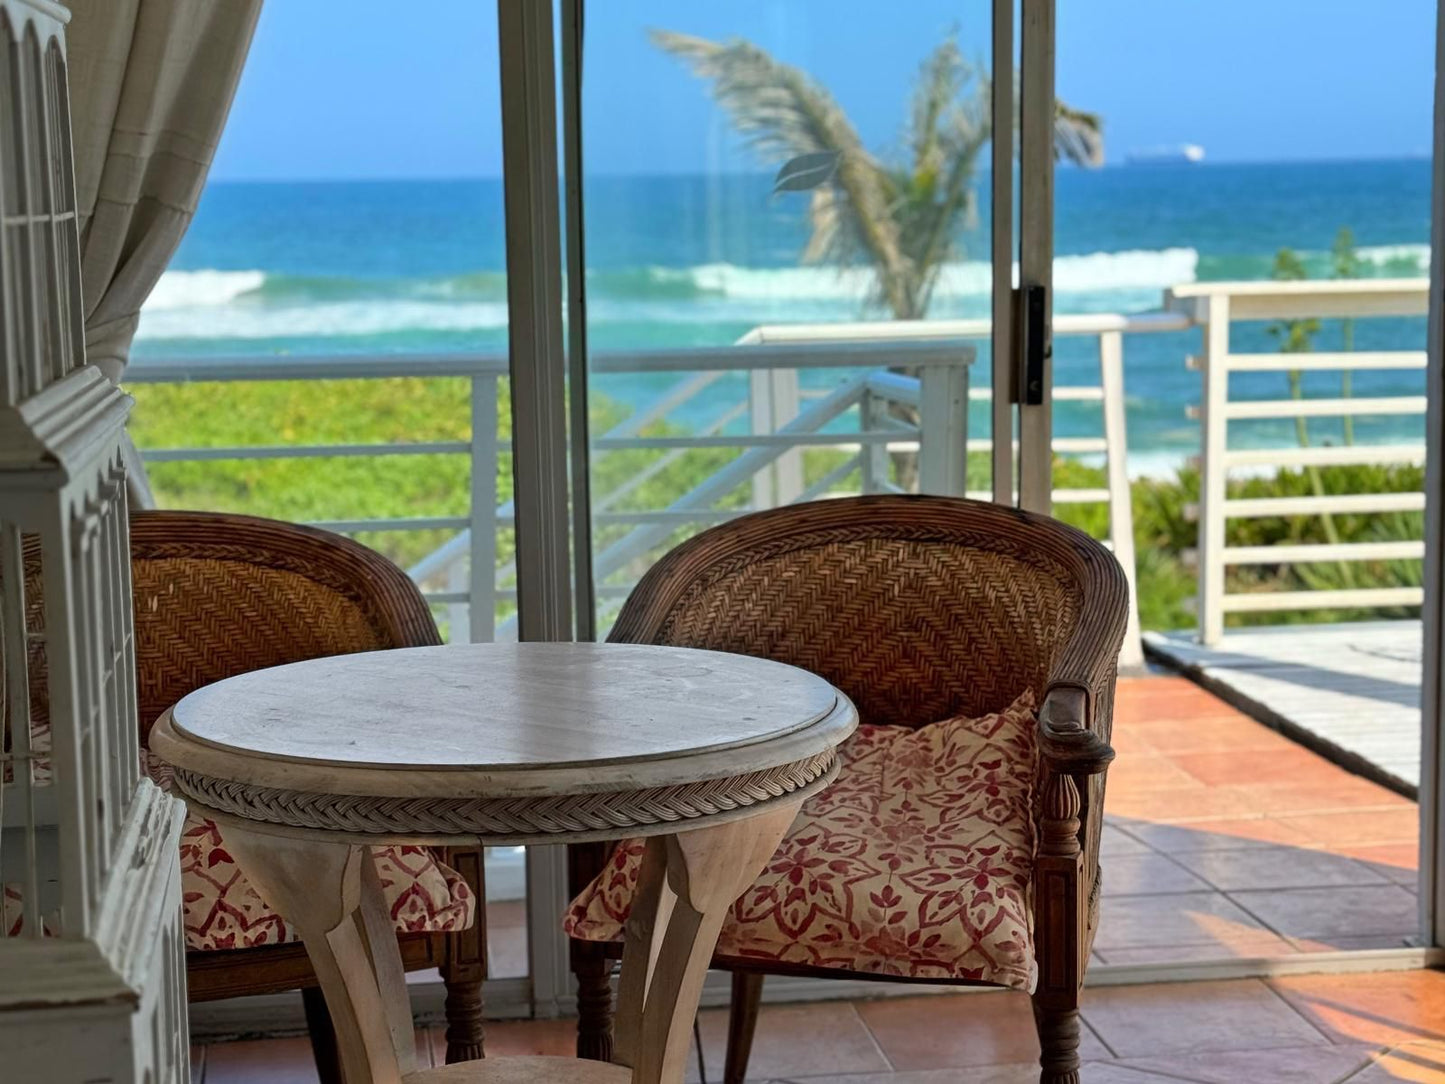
[{"x": 418, "y": 267}]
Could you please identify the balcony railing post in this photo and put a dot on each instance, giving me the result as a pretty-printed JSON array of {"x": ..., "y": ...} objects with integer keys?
[
  {"x": 482, "y": 590},
  {"x": 775, "y": 401},
  {"x": 1121, "y": 509},
  {"x": 943, "y": 430},
  {"x": 1214, "y": 443},
  {"x": 872, "y": 458}
]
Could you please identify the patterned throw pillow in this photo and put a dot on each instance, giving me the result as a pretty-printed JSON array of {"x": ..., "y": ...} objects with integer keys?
[{"x": 916, "y": 862}]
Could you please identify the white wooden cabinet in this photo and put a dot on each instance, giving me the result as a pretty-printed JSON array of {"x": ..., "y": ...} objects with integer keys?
[{"x": 92, "y": 968}]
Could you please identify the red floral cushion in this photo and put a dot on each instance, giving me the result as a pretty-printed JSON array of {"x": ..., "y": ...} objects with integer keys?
[
  {"x": 916, "y": 862},
  {"x": 222, "y": 910}
]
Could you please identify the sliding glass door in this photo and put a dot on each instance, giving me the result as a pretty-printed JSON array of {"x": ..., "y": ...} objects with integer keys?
[
  {"x": 792, "y": 261},
  {"x": 775, "y": 263}
]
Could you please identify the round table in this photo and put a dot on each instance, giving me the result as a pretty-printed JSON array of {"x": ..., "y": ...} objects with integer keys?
[{"x": 307, "y": 765}]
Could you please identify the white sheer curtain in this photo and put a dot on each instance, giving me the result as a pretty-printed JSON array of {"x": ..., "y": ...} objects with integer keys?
[{"x": 151, "y": 82}]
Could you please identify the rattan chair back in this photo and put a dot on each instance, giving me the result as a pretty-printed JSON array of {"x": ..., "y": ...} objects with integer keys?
[{"x": 919, "y": 608}]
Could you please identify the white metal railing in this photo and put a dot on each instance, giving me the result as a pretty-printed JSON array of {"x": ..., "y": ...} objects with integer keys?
[
  {"x": 1215, "y": 306},
  {"x": 769, "y": 426}
]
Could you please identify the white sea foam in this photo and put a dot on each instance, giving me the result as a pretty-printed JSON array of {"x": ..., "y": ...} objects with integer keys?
[
  {"x": 240, "y": 305},
  {"x": 202, "y": 289},
  {"x": 1128, "y": 270},
  {"x": 320, "y": 321}
]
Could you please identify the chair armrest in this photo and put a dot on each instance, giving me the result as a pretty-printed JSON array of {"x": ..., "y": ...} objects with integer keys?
[{"x": 1067, "y": 741}]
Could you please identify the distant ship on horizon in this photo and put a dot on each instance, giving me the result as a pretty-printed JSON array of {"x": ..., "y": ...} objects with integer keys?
[{"x": 1182, "y": 154}]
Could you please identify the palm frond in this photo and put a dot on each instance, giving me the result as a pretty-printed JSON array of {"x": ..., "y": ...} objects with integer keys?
[
  {"x": 940, "y": 80},
  {"x": 782, "y": 113},
  {"x": 1078, "y": 135}
]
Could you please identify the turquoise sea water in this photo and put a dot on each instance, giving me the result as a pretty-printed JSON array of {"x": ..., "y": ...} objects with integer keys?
[{"x": 351, "y": 267}]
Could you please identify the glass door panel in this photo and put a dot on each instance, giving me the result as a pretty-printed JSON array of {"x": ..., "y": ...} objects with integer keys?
[{"x": 789, "y": 266}]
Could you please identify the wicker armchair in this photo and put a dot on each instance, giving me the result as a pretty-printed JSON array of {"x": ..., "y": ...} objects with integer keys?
[
  {"x": 921, "y": 609},
  {"x": 218, "y": 595}
]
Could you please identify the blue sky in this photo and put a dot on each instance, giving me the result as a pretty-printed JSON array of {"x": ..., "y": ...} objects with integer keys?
[{"x": 375, "y": 96}]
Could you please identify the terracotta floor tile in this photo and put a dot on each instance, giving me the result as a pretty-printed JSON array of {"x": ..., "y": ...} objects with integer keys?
[
  {"x": 1422, "y": 1063},
  {"x": 1227, "y": 734},
  {"x": 274, "y": 1061},
  {"x": 959, "y": 1030},
  {"x": 1294, "y": 1065},
  {"x": 1191, "y": 703},
  {"x": 1210, "y": 835},
  {"x": 1276, "y": 866},
  {"x": 1372, "y": 826},
  {"x": 1187, "y": 1018},
  {"x": 1331, "y": 795},
  {"x": 1179, "y": 807},
  {"x": 1147, "y": 772},
  {"x": 1147, "y": 874},
  {"x": 1289, "y": 765},
  {"x": 1333, "y": 912},
  {"x": 1386, "y": 1007},
  {"x": 824, "y": 1038},
  {"x": 1192, "y": 918}
]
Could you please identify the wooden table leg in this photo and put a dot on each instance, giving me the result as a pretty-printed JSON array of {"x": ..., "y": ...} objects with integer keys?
[
  {"x": 687, "y": 885},
  {"x": 331, "y": 894}
]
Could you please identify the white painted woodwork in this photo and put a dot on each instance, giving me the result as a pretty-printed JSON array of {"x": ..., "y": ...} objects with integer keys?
[
  {"x": 1325, "y": 408},
  {"x": 1036, "y": 238},
  {"x": 1344, "y": 551},
  {"x": 1275, "y": 300},
  {"x": 1121, "y": 502},
  {"x": 531, "y": 723},
  {"x": 92, "y": 969},
  {"x": 1325, "y": 360},
  {"x": 1213, "y": 444},
  {"x": 1277, "y": 601},
  {"x": 1001, "y": 251},
  {"x": 1308, "y": 506},
  {"x": 1214, "y": 305}
]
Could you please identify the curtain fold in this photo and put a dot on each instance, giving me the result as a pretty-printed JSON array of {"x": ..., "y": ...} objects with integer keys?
[{"x": 151, "y": 82}]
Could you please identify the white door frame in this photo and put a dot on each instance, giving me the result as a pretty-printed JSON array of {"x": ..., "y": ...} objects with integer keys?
[
  {"x": 1032, "y": 340},
  {"x": 538, "y": 372},
  {"x": 1432, "y": 697}
]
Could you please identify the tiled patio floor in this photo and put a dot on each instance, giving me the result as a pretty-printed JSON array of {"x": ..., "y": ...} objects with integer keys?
[
  {"x": 1224, "y": 838},
  {"x": 1365, "y": 1029}
]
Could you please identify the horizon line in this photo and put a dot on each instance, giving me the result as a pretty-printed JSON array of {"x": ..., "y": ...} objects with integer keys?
[{"x": 1415, "y": 156}]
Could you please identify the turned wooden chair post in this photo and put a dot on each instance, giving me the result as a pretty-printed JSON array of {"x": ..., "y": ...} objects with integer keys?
[{"x": 591, "y": 961}]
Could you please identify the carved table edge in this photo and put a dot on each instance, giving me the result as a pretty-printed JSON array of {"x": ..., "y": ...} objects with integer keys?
[{"x": 561, "y": 818}]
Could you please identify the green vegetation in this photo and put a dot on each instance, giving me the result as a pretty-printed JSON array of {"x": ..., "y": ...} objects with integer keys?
[{"x": 401, "y": 410}]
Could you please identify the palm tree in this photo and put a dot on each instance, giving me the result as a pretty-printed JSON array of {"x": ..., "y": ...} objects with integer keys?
[{"x": 902, "y": 218}]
